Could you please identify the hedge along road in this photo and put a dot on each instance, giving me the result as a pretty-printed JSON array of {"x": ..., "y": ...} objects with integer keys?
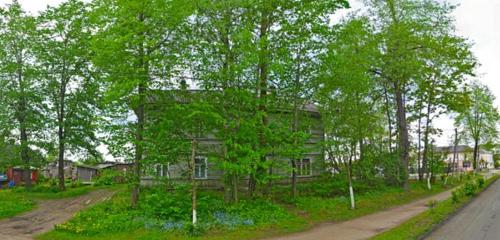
[
  {"x": 480, "y": 220},
  {"x": 47, "y": 214}
]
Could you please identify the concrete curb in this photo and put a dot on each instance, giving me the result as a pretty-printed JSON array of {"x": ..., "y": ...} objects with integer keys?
[{"x": 449, "y": 217}]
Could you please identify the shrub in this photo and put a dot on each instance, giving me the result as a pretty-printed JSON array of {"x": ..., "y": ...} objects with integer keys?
[
  {"x": 45, "y": 189},
  {"x": 470, "y": 188},
  {"x": 480, "y": 182},
  {"x": 171, "y": 211},
  {"x": 75, "y": 184},
  {"x": 456, "y": 196},
  {"x": 109, "y": 177}
]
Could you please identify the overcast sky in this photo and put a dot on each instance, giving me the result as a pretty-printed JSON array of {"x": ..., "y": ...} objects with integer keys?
[{"x": 477, "y": 20}]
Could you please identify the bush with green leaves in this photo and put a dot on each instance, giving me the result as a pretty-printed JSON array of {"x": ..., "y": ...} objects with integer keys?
[
  {"x": 480, "y": 182},
  {"x": 109, "y": 177},
  {"x": 470, "y": 188},
  {"x": 164, "y": 210}
]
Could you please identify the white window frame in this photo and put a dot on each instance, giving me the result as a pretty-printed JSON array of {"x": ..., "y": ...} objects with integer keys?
[
  {"x": 205, "y": 175},
  {"x": 162, "y": 170},
  {"x": 299, "y": 165}
]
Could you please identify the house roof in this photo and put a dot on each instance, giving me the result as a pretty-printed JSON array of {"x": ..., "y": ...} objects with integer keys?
[
  {"x": 179, "y": 96},
  {"x": 460, "y": 149},
  {"x": 87, "y": 166},
  {"x": 105, "y": 165},
  {"x": 22, "y": 168},
  {"x": 111, "y": 164}
]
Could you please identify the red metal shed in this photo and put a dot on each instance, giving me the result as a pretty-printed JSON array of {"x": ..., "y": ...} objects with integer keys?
[{"x": 16, "y": 174}]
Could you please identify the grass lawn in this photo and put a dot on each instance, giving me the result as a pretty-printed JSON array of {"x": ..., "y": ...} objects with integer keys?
[
  {"x": 12, "y": 204},
  {"x": 273, "y": 217},
  {"x": 426, "y": 221},
  {"x": 18, "y": 200}
]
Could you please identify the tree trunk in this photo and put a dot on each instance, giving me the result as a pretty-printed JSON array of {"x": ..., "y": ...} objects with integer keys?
[
  {"x": 61, "y": 135},
  {"x": 25, "y": 157},
  {"x": 193, "y": 181},
  {"x": 349, "y": 176},
  {"x": 403, "y": 134},
  {"x": 234, "y": 194},
  {"x": 21, "y": 117},
  {"x": 419, "y": 147},
  {"x": 294, "y": 178},
  {"x": 455, "y": 143},
  {"x": 389, "y": 120},
  {"x": 476, "y": 154},
  {"x": 426, "y": 141},
  {"x": 295, "y": 126},
  {"x": 141, "y": 120},
  {"x": 263, "y": 86}
]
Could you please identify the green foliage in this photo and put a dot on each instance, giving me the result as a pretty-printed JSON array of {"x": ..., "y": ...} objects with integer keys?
[
  {"x": 480, "y": 182},
  {"x": 12, "y": 204},
  {"x": 171, "y": 211},
  {"x": 110, "y": 177},
  {"x": 470, "y": 188}
]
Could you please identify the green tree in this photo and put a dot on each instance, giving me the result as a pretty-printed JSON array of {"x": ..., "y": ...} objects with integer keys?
[
  {"x": 20, "y": 92},
  {"x": 411, "y": 36},
  {"x": 64, "y": 59},
  {"x": 301, "y": 38},
  {"x": 348, "y": 95},
  {"x": 480, "y": 119},
  {"x": 135, "y": 51}
]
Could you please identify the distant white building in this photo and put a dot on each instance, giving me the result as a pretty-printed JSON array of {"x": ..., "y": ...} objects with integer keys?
[{"x": 465, "y": 157}]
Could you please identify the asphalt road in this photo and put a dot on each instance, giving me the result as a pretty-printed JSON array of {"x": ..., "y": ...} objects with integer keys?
[{"x": 480, "y": 220}]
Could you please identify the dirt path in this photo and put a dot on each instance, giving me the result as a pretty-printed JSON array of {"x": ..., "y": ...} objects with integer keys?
[
  {"x": 366, "y": 226},
  {"x": 47, "y": 214}
]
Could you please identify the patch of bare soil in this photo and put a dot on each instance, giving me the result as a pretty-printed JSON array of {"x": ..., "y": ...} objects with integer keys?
[{"x": 47, "y": 214}]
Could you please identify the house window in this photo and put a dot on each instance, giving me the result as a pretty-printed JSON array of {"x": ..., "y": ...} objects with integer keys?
[
  {"x": 200, "y": 168},
  {"x": 304, "y": 167},
  {"x": 162, "y": 170},
  {"x": 466, "y": 164}
]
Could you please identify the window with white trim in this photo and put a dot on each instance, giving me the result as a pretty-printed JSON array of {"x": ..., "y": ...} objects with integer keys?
[
  {"x": 162, "y": 170},
  {"x": 304, "y": 167},
  {"x": 200, "y": 168}
]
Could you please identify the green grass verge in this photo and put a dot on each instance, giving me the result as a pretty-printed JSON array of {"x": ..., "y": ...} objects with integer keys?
[
  {"x": 12, "y": 204},
  {"x": 428, "y": 220},
  {"x": 19, "y": 200},
  {"x": 304, "y": 213}
]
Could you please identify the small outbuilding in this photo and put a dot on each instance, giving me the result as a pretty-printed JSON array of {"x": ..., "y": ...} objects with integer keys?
[
  {"x": 16, "y": 175},
  {"x": 86, "y": 173}
]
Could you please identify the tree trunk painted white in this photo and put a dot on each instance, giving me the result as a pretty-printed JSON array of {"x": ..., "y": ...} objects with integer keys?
[
  {"x": 194, "y": 216},
  {"x": 193, "y": 180},
  {"x": 429, "y": 181},
  {"x": 351, "y": 192}
]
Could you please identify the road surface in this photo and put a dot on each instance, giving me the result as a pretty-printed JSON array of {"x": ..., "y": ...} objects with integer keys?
[
  {"x": 47, "y": 214},
  {"x": 480, "y": 220}
]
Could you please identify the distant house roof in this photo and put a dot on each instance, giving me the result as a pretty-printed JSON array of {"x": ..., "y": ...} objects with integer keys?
[
  {"x": 109, "y": 164},
  {"x": 22, "y": 168},
  {"x": 178, "y": 96},
  {"x": 87, "y": 166},
  {"x": 55, "y": 163},
  {"x": 460, "y": 149},
  {"x": 105, "y": 165}
]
